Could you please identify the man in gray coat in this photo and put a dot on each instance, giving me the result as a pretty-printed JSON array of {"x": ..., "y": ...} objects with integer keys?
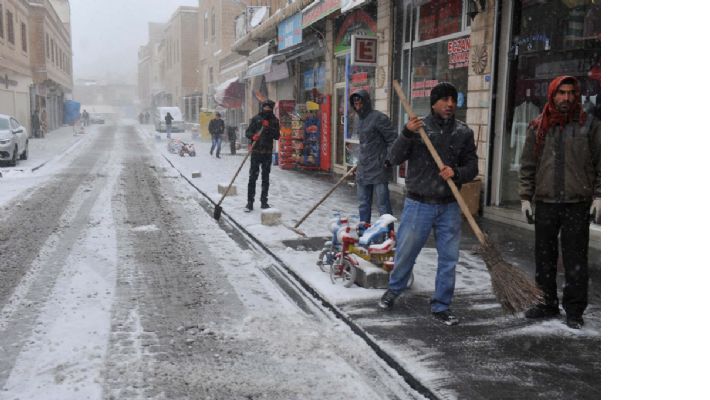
[{"x": 376, "y": 134}]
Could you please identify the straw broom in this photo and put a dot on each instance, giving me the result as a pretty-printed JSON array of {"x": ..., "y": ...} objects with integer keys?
[{"x": 513, "y": 289}]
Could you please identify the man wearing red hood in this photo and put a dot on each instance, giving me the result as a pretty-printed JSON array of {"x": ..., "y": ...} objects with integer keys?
[{"x": 561, "y": 175}]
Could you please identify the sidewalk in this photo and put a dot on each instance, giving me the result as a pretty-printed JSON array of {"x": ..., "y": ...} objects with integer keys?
[{"x": 490, "y": 355}]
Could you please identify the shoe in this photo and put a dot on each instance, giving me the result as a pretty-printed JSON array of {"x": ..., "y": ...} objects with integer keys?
[
  {"x": 387, "y": 300},
  {"x": 217, "y": 155},
  {"x": 542, "y": 311},
  {"x": 575, "y": 322},
  {"x": 249, "y": 207},
  {"x": 446, "y": 317},
  {"x": 265, "y": 205},
  {"x": 210, "y": 152}
]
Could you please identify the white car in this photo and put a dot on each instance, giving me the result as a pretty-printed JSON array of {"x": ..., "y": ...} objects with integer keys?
[{"x": 14, "y": 141}]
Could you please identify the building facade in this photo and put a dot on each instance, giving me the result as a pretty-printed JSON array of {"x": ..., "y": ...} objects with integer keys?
[
  {"x": 51, "y": 60},
  {"x": 178, "y": 55},
  {"x": 15, "y": 69}
]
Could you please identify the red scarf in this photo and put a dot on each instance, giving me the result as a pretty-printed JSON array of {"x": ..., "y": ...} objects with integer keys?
[{"x": 550, "y": 116}]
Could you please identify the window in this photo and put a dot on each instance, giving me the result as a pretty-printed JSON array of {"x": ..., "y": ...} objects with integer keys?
[
  {"x": 10, "y": 27},
  {"x": 23, "y": 38},
  {"x": 2, "y": 26},
  {"x": 46, "y": 44},
  {"x": 205, "y": 23},
  {"x": 214, "y": 29},
  {"x": 211, "y": 75}
]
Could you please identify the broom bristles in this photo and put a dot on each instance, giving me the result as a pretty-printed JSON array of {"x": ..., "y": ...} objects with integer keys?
[{"x": 513, "y": 289}]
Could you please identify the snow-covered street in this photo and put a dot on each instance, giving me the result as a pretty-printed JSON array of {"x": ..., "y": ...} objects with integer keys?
[{"x": 119, "y": 283}]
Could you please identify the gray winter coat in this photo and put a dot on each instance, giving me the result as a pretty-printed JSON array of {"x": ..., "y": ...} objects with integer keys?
[
  {"x": 453, "y": 140},
  {"x": 376, "y": 134}
]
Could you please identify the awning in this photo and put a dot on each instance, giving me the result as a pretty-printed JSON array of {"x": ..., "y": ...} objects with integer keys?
[
  {"x": 263, "y": 66},
  {"x": 230, "y": 93}
]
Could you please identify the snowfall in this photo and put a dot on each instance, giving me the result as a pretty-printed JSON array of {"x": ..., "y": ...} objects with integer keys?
[{"x": 71, "y": 336}]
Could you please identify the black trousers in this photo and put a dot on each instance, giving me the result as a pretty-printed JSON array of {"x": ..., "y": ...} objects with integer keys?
[
  {"x": 262, "y": 161},
  {"x": 571, "y": 222}
]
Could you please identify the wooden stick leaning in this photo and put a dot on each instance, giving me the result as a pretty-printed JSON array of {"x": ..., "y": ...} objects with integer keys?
[
  {"x": 218, "y": 207},
  {"x": 350, "y": 172},
  {"x": 513, "y": 289}
]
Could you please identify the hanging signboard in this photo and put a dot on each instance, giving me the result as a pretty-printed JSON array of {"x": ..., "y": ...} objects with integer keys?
[
  {"x": 319, "y": 10},
  {"x": 358, "y": 22},
  {"x": 363, "y": 51},
  {"x": 290, "y": 33}
]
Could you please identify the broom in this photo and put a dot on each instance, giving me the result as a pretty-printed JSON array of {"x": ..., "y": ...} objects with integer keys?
[
  {"x": 512, "y": 288},
  {"x": 218, "y": 208},
  {"x": 295, "y": 228}
]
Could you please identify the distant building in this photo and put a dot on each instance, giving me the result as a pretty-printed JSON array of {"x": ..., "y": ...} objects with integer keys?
[
  {"x": 15, "y": 70},
  {"x": 179, "y": 58}
]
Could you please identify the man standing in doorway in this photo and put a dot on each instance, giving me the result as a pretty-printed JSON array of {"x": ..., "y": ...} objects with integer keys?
[
  {"x": 430, "y": 204},
  {"x": 561, "y": 173},
  {"x": 376, "y": 135},
  {"x": 35, "y": 124},
  {"x": 168, "y": 124},
  {"x": 262, "y": 131},
  {"x": 216, "y": 129}
]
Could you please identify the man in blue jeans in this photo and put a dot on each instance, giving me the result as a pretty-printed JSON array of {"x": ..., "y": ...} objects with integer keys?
[
  {"x": 430, "y": 204},
  {"x": 216, "y": 129},
  {"x": 376, "y": 135}
]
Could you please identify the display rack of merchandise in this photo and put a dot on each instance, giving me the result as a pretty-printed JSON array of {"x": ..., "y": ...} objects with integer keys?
[
  {"x": 290, "y": 124},
  {"x": 311, "y": 142}
]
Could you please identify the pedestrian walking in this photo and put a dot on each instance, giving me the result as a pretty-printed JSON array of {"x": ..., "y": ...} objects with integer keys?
[
  {"x": 216, "y": 129},
  {"x": 429, "y": 203},
  {"x": 35, "y": 124},
  {"x": 232, "y": 136},
  {"x": 376, "y": 135},
  {"x": 561, "y": 173},
  {"x": 262, "y": 131},
  {"x": 168, "y": 124}
]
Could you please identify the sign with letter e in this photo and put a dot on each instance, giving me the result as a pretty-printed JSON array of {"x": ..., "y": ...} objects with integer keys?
[{"x": 363, "y": 51}]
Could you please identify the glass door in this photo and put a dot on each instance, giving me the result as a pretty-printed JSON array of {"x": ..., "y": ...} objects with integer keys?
[{"x": 339, "y": 105}]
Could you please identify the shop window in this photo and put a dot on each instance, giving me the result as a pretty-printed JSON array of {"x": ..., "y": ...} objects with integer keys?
[
  {"x": 439, "y": 18},
  {"x": 561, "y": 37}
]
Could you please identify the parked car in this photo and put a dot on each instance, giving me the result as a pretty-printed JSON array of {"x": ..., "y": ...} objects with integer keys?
[
  {"x": 96, "y": 119},
  {"x": 14, "y": 140},
  {"x": 178, "y": 124}
]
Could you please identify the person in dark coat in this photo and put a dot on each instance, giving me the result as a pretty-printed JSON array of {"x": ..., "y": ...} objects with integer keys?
[
  {"x": 168, "y": 124},
  {"x": 262, "y": 131},
  {"x": 560, "y": 172},
  {"x": 376, "y": 135},
  {"x": 232, "y": 136},
  {"x": 429, "y": 203},
  {"x": 35, "y": 124},
  {"x": 216, "y": 129}
]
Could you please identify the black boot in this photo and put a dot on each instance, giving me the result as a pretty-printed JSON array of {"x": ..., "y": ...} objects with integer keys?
[
  {"x": 265, "y": 205},
  {"x": 542, "y": 311},
  {"x": 249, "y": 207}
]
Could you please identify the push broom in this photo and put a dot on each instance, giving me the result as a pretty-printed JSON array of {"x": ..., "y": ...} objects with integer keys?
[
  {"x": 513, "y": 289},
  {"x": 218, "y": 207}
]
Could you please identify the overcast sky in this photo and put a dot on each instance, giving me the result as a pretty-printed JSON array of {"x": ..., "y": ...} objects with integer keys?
[{"x": 106, "y": 35}]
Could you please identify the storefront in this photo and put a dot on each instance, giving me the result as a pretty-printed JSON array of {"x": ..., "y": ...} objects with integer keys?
[
  {"x": 349, "y": 78},
  {"x": 431, "y": 46},
  {"x": 539, "y": 41}
]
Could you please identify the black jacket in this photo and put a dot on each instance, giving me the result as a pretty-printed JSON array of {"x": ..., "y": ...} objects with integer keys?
[
  {"x": 269, "y": 133},
  {"x": 216, "y": 126},
  {"x": 376, "y": 135},
  {"x": 453, "y": 140}
]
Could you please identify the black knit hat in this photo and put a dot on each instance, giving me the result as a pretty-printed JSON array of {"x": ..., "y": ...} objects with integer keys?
[{"x": 443, "y": 90}]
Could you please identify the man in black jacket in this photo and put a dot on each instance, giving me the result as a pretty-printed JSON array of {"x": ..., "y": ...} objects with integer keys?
[
  {"x": 376, "y": 135},
  {"x": 216, "y": 128},
  {"x": 430, "y": 204},
  {"x": 262, "y": 131}
]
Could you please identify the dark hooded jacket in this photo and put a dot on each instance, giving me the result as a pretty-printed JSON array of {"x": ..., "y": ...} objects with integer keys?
[
  {"x": 376, "y": 135},
  {"x": 268, "y": 125},
  {"x": 453, "y": 140}
]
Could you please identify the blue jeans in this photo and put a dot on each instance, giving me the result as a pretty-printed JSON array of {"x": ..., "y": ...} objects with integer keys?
[
  {"x": 418, "y": 219},
  {"x": 216, "y": 143},
  {"x": 364, "y": 197},
  {"x": 168, "y": 129}
]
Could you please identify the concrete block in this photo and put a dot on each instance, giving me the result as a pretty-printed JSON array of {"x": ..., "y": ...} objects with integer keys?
[
  {"x": 196, "y": 174},
  {"x": 271, "y": 216},
  {"x": 370, "y": 276},
  {"x": 222, "y": 188}
]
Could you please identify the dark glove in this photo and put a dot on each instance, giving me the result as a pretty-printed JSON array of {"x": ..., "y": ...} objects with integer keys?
[{"x": 388, "y": 164}]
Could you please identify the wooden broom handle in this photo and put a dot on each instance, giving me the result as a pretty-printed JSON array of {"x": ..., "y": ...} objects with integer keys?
[
  {"x": 235, "y": 176},
  {"x": 457, "y": 194},
  {"x": 326, "y": 196}
]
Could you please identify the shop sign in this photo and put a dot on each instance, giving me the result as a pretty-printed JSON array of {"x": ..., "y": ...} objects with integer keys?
[
  {"x": 423, "y": 88},
  {"x": 359, "y": 23},
  {"x": 321, "y": 9},
  {"x": 458, "y": 50},
  {"x": 347, "y": 5},
  {"x": 363, "y": 51},
  {"x": 439, "y": 18},
  {"x": 290, "y": 33},
  {"x": 325, "y": 134}
]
